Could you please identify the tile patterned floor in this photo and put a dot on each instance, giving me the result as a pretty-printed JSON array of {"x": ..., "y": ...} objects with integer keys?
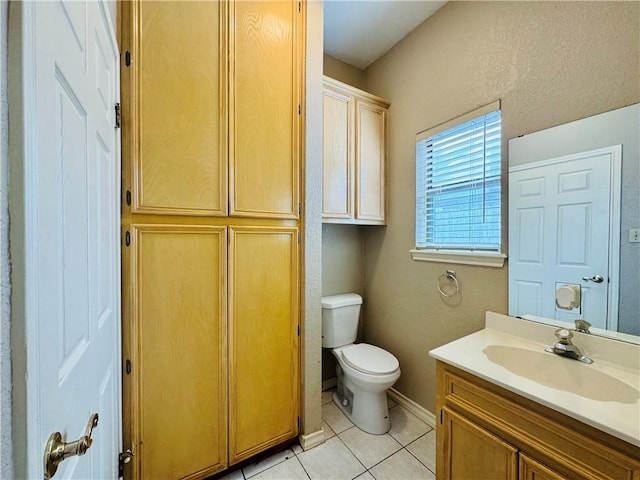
[{"x": 406, "y": 452}]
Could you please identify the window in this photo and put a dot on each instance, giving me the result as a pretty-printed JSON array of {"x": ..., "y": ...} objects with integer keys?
[{"x": 458, "y": 185}]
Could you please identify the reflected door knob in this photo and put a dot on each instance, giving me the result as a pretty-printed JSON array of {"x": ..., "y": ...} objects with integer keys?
[{"x": 594, "y": 279}]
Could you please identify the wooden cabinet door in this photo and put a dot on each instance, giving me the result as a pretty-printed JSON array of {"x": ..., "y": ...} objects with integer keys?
[
  {"x": 337, "y": 155},
  {"x": 531, "y": 469},
  {"x": 179, "y": 370},
  {"x": 370, "y": 161},
  {"x": 263, "y": 338},
  {"x": 470, "y": 452},
  {"x": 177, "y": 139},
  {"x": 265, "y": 115}
]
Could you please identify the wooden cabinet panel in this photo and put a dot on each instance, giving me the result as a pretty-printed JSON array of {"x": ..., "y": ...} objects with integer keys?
[
  {"x": 354, "y": 155},
  {"x": 178, "y": 135},
  {"x": 337, "y": 155},
  {"x": 533, "y": 470},
  {"x": 264, "y": 101},
  {"x": 263, "y": 338},
  {"x": 472, "y": 453},
  {"x": 179, "y": 327},
  {"x": 551, "y": 446},
  {"x": 370, "y": 161}
]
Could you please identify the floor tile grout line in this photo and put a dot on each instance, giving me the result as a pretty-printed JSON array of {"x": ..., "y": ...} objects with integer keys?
[{"x": 420, "y": 461}]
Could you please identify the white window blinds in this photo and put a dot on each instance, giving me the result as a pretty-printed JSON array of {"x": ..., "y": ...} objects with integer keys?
[{"x": 458, "y": 184}]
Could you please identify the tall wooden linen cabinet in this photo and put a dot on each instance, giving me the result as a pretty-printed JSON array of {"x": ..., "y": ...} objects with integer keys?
[{"x": 212, "y": 126}]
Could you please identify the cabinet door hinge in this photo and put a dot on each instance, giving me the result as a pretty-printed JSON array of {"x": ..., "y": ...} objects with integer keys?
[
  {"x": 298, "y": 420},
  {"x": 123, "y": 459},
  {"x": 298, "y": 330},
  {"x": 299, "y": 109},
  {"x": 299, "y": 209},
  {"x": 299, "y": 6},
  {"x": 118, "y": 115},
  {"x": 127, "y": 58},
  {"x": 127, "y": 238},
  {"x": 298, "y": 237},
  {"x": 127, "y": 197},
  {"x": 441, "y": 417},
  {"x": 127, "y": 367}
]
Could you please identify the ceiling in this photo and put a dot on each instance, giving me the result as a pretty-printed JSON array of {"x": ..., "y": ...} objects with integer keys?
[{"x": 359, "y": 32}]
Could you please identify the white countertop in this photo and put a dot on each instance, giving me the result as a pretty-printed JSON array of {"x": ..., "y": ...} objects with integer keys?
[{"x": 615, "y": 359}]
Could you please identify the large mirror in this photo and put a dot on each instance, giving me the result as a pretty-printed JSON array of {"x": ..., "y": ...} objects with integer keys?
[{"x": 574, "y": 215}]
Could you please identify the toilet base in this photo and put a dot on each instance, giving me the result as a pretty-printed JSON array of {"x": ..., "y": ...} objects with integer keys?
[{"x": 367, "y": 410}]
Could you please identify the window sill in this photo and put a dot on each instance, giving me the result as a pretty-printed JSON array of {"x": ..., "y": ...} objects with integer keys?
[{"x": 483, "y": 259}]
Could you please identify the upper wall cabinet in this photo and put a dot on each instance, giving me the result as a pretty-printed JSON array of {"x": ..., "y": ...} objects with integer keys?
[
  {"x": 354, "y": 155},
  {"x": 215, "y": 130}
]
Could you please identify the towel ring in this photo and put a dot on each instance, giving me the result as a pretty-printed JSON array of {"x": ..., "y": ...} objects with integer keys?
[{"x": 450, "y": 275}]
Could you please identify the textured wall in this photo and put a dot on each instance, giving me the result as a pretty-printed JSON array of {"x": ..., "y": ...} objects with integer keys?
[
  {"x": 6, "y": 466},
  {"x": 312, "y": 318},
  {"x": 550, "y": 63},
  {"x": 338, "y": 70},
  {"x": 342, "y": 245}
]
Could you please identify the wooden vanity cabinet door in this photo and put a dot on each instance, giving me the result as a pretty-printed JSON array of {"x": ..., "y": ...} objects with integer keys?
[
  {"x": 470, "y": 452},
  {"x": 265, "y": 108},
  {"x": 337, "y": 155},
  {"x": 370, "y": 162},
  {"x": 530, "y": 469},
  {"x": 263, "y": 339},
  {"x": 176, "y": 124}
]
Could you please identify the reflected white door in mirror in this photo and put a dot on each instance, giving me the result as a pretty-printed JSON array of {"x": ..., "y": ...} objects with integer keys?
[
  {"x": 564, "y": 219},
  {"x": 574, "y": 192}
]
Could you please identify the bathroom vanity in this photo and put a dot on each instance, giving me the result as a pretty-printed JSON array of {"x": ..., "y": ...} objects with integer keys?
[{"x": 508, "y": 410}]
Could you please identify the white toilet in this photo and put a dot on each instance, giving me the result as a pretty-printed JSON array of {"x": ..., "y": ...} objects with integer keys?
[{"x": 364, "y": 372}]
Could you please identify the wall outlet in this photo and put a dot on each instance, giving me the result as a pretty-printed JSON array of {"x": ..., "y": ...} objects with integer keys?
[{"x": 634, "y": 235}]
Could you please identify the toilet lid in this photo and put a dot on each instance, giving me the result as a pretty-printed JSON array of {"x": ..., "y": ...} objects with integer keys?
[{"x": 370, "y": 359}]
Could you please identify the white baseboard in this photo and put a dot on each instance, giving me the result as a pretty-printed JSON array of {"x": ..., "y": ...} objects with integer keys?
[
  {"x": 307, "y": 442},
  {"x": 331, "y": 383},
  {"x": 419, "y": 411}
]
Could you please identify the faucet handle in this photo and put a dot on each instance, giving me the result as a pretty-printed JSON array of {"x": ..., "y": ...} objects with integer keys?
[
  {"x": 582, "y": 326},
  {"x": 564, "y": 335}
]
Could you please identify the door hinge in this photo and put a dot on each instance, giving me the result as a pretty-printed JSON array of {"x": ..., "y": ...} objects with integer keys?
[
  {"x": 127, "y": 367},
  {"x": 299, "y": 109},
  {"x": 298, "y": 237},
  {"x": 299, "y": 208},
  {"x": 118, "y": 115},
  {"x": 128, "y": 197},
  {"x": 127, "y": 238},
  {"x": 127, "y": 58},
  {"x": 299, "y": 6},
  {"x": 123, "y": 459},
  {"x": 441, "y": 417},
  {"x": 298, "y": 423},
  {"x": 298, "y": 330}
]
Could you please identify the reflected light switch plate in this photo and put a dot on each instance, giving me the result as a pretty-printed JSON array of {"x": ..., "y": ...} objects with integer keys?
[{"x": 634, "y": 235}]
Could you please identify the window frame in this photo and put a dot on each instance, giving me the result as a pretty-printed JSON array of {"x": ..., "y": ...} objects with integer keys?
[{"x": 468, "y": 256}]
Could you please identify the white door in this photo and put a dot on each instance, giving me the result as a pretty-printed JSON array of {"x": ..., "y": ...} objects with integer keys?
[
  {"x": 561, "y": 225},
  {"x": 70, "y": 81}
]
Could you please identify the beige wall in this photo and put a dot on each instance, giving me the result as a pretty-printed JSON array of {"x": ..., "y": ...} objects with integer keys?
[
  {"x": 342, "y": 245},
  {"x": 343, "y": 72},
  {"x": 342, "y": 271},
  {"x": 550, "y": 63}
]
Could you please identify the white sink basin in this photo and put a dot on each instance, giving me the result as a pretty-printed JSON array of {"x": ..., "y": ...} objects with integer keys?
[{"x": 560, "y": 373}]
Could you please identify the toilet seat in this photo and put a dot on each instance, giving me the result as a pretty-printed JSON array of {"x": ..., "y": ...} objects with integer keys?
[{"x": 370, "y": 359}]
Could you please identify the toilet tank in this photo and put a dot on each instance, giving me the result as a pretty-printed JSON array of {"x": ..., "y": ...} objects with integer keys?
[{"x": 340, "y": 315}]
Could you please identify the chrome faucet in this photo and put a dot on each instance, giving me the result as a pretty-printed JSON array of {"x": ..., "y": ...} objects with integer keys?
[{"x": 565, "y": 348}]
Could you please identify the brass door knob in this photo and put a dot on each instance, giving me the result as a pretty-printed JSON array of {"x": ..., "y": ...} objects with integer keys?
[{"x": 57, "y": 450}]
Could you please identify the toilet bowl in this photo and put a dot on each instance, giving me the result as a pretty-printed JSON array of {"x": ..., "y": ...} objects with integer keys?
[{"x": 364, "y": 372}]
